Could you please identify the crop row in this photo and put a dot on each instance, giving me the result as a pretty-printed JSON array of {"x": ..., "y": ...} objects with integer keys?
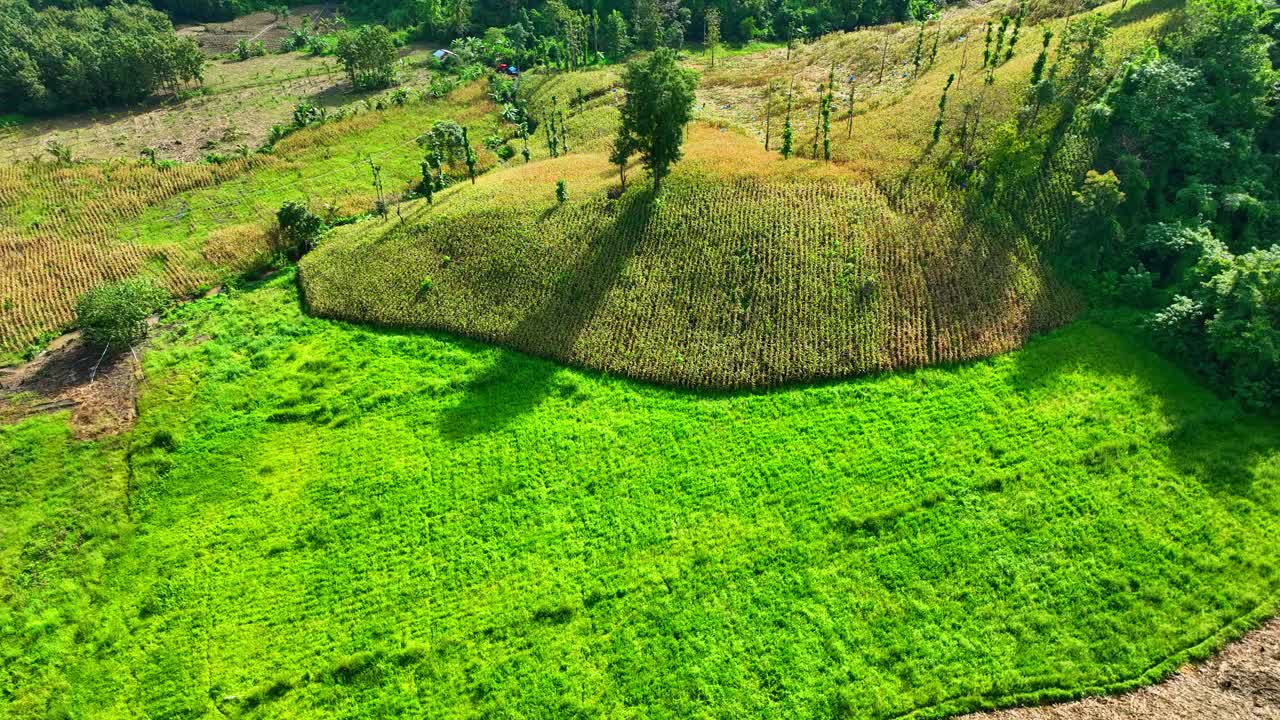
[{"x": 747, "y": 283}]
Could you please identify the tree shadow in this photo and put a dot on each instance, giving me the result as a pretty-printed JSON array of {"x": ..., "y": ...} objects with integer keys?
[
  {"x": 1209, "y": 438},
  {"x": 513, "y": 386},
  {"x": 1142, "y": 10}
]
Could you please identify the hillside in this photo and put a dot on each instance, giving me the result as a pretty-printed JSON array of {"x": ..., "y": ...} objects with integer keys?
[
  {"x": 975, "y": 413},
  {"x": 748, "y": 270}
]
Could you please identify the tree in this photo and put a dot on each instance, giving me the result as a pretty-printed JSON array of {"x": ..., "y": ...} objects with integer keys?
[
  {"x": 620, "y": 151},
  {"x": 368, "y": 54},
  {"x": 986, "y": 48},
  {"x": 768, "y": 113},
  {"x": 469, "y": 156},
  {"x": 786, "y": 127},
  {"x": 918, "y": 55},
  {"x": 1097, "y": 235},
  {"x": 648, "y": 23},
  {"x": 616, "y": 41},
  {"x": 711, "y": 36},
  {"x": 996, "y": 57},
  {"x": 828, "y": 100},
  {"x": 297, "y": 229},
  {"x": 942, "y": 109},
  {"x": 1017, "y": 29},
  {"x": 658, "y": 105},
  {"x": 115, "y": 314}
]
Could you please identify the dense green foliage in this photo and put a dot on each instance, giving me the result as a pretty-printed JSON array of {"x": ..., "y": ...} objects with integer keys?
[
  {"x": 1178, "y": 214},
  {"x": 88, "y": 58},
  {"x": 658, "y": 106},
  {"x": 1193, "y": 135},
  {"x": 115, "y": 314},
  {"x": 333, "y": 521},
  {"x": 368, "y": 54}
]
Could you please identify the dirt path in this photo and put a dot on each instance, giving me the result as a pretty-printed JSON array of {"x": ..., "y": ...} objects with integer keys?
[{"x": 1243, "y": 681}]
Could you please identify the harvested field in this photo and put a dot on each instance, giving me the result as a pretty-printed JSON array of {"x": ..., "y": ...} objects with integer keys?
[
  {"x": 239, "y": 103},
  {"x": 222, "y": 38}
]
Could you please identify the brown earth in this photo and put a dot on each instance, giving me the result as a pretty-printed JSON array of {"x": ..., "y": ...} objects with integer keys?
[
  {"x": 100, "y": 391},
  {"x": 1243, "y": 681},
  {"x": 222, "y": 38}
]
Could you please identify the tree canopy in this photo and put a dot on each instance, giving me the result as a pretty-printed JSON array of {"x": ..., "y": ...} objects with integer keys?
[
  {"x": 659, "y": 104},
  {"x": 368, "y": 54},
  {"x": 53, "y": 60}
]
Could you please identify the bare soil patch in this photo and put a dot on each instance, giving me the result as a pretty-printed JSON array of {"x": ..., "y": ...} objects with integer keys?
[
  {"x": 242, "y": 101},
  {"x": 222, "y": 38},
  {"x": 100, "y": 391},
  {"x": 1243, "y": 681}
]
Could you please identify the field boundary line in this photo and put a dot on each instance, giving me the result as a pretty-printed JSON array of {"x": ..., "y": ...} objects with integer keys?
[{"x": 1157, "y": 672}]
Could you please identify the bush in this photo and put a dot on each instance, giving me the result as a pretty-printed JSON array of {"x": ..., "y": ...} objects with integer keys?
[
  {"x": 1229, "y": 328},
  {"x": 299, "y": 228},
  {"x": 441, "y": 85},
  {"x": 562, "y": 193},
  {"x": 115, "y": 314}
]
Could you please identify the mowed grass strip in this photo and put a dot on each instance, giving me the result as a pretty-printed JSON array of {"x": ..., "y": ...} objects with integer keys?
[
  {"x": 333, "y": 521},
  {"x": 746, "y": 272}
]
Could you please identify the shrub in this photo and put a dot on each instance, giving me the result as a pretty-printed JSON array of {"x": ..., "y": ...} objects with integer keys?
[
  {"x": 562, "y": 193},
  {"x": 115, "y": 314},
  {"x": 441, "y": 85},
  {"x": 299, "y": 229}
]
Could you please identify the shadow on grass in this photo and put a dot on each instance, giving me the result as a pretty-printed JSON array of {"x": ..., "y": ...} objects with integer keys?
[
  {"x": 1209, "y": 437},
  {"x": 512, "y": 386},
  {"x": 1141, "y": 10}
]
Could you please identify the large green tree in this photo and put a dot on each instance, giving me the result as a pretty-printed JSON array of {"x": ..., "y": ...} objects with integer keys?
[
  {"x": 659, "y": 104},
  {"x": 368, "y": 54}
]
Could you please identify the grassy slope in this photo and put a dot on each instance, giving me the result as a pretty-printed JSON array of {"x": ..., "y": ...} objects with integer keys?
[
  {"x": 343, "y": 522},
  {"x": 747, "y": 271},
  {"x": 893, "y": 119}
]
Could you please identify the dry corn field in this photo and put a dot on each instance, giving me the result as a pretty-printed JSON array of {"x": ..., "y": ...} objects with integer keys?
[
  {"x": 65, "y": 228},
  {"x": 726, "y": 282},
  {"x": 62, "y": 231}
]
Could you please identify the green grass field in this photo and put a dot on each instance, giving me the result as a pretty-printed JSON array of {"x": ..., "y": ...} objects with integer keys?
[{"x": 323, "y": 520}]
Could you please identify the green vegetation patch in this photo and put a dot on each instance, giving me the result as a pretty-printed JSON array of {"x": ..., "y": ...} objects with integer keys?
[{"x": 337, "y": 521}]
